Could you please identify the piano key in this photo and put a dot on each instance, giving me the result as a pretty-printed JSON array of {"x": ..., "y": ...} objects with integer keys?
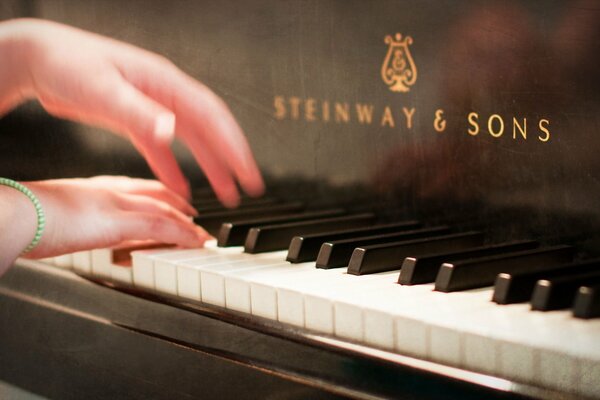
[
  {"x": 203, "y": 192},
  {"x": 211, "y": 206},
  {"x": 238, "y": 288},
  {"x": 559, "y": 292},
  {"x": 424, "y": 269},
  {"x": 266, "y": 238},
  {"x": 155, "y": 269},
  {"x": 389, "y": 256},
  {"x": 101, "y": 261},
  {"x": 143, "y": 267},
  {"x": 480, "y": 272},
  {"x": 202, "y": 278},
  {"x": 47, "y": 260},
  {"x": 292, "y": 294},
  {"x": 64, "y": 261},
  {"x": 587, "y": 302},
  {"x": 306, "y": 247},
  {"x": 233, "y": 233},
  {"x": 211, "y": 222},
  {"x": 518, "y": 286},
  {"x": 165, "y": 270},
  {"x": 337, "y": 253},
  {"x": 82, "y": 262}
]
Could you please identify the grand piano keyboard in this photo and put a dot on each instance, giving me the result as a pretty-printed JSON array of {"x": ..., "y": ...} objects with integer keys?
[{"x": 520, "y": 311}]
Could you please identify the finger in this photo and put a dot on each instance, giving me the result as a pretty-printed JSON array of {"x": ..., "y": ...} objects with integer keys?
[
  {"x": 134, "y": 202},
  {"x": 150, "y": 226},
  {"x": 200, "y": 112},
  {"x": 146, "y": 187},
  {"x": 112, "y": 102},
  {"x": 162, "y": 162},
  {"x": 217, "y": 174}
]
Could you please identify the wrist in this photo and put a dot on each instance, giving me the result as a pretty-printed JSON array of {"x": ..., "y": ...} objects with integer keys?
[{"x": 18, "y": 222}]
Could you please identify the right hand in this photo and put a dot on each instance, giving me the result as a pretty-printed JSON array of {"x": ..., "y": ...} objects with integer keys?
[{"x": 92, "y": 79}]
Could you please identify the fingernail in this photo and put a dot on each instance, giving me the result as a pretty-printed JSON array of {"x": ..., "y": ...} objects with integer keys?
[{"x": 164, "y": 127}]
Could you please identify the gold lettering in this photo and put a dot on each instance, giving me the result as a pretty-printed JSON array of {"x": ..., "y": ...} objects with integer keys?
[
  {"x": 544, "y": 127},
  {"x": 325, "y": 108},
  {"x": 473, "y": 117},
  {"x": 409, "y": 114},
  {"x": 295, "y": 107},
  {"x": 387, "y": 117},
  {"x": 521, "y": 129},
  {"x": 309, "y": 109},
  {"x": 342, "y": 112},
  {"x": 279, "y": 104},
  {"x": 364, "y": 113},
  {"x": 498, "y": 133},
  {"x": 439, "y": 123}
]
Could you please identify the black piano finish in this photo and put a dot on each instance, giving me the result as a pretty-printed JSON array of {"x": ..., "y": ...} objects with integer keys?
[
  {"x": 65, "y": 337},
  {"x": 527, "y": 65}
]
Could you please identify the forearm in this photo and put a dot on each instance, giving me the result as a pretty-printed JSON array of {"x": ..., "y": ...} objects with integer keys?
[
  {"x": 16, "y": 49},
  {"x": 18, "y": 222}
]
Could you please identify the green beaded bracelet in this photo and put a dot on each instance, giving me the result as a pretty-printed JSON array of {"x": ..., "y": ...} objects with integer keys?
[{"x": 41, "y": 218}]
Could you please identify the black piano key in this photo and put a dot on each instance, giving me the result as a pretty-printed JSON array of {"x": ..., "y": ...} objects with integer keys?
[
  {"x": 587, "y": 302},
  {"x": 306, "y": 248},
  {"x": 480, "y": 272},
  {"x": 215, "y": 205},
  {"x": 337, "y": 253},
  {"x": 424, "y": 269},
  {"x": 212, "y": 221},
  {"x": 233, "y": 233},
  {"x": 203, "y": 193},
  {"x": 389, "y": 256},
  {"x": 277, "y": 237},
  {"x": 559, "y": 292},
  {"x": 518, "y": 287}
]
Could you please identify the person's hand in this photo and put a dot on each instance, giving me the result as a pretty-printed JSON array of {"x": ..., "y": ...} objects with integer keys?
[
  {"x": 103, "y": 212},
  {"x": 88, "y": 78}
]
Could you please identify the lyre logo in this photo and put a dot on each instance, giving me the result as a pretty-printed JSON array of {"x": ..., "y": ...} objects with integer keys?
[{"x": 399, "y": 71}]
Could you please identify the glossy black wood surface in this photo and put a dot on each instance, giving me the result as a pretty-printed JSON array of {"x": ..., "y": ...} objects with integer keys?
[{"x": 531, "y": 64}]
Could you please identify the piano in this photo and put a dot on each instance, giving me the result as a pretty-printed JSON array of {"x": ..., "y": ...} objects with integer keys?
[{"x": 430, "y": 228}]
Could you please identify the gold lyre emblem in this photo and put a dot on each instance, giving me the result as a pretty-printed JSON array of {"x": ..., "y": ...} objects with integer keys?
[{"x": 399, "y": 71}]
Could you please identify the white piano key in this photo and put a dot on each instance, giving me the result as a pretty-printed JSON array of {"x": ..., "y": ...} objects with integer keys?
[
  {"x": 212, "y": 280},
  {"x": 121, "y": 273},
  {"x": 558, "y": 370},
  {"x": 47, "y": 260},
  {"x": 200, "y": 278},
  {"x": 82, "y": 262},
  {"x": 291, "y": 294},
  {"x": 101, "y": 261},
  {"x": 481, "y": 354},
  {"x": 65, "y": 261},
  {"x": 238, "y": 287},
  {"x": 589, "y": 376},
  {"x": 253, "y": 284},
  {"x": 165, "y": 269},
  {"x": 143, "y": 266}
]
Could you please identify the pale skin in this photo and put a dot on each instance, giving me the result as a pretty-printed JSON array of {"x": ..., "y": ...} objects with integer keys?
[{"x": 137, "y": 94}]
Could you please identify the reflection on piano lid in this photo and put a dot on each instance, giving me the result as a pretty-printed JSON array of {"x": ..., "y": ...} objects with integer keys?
[{"x": 363, "y": 303}]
